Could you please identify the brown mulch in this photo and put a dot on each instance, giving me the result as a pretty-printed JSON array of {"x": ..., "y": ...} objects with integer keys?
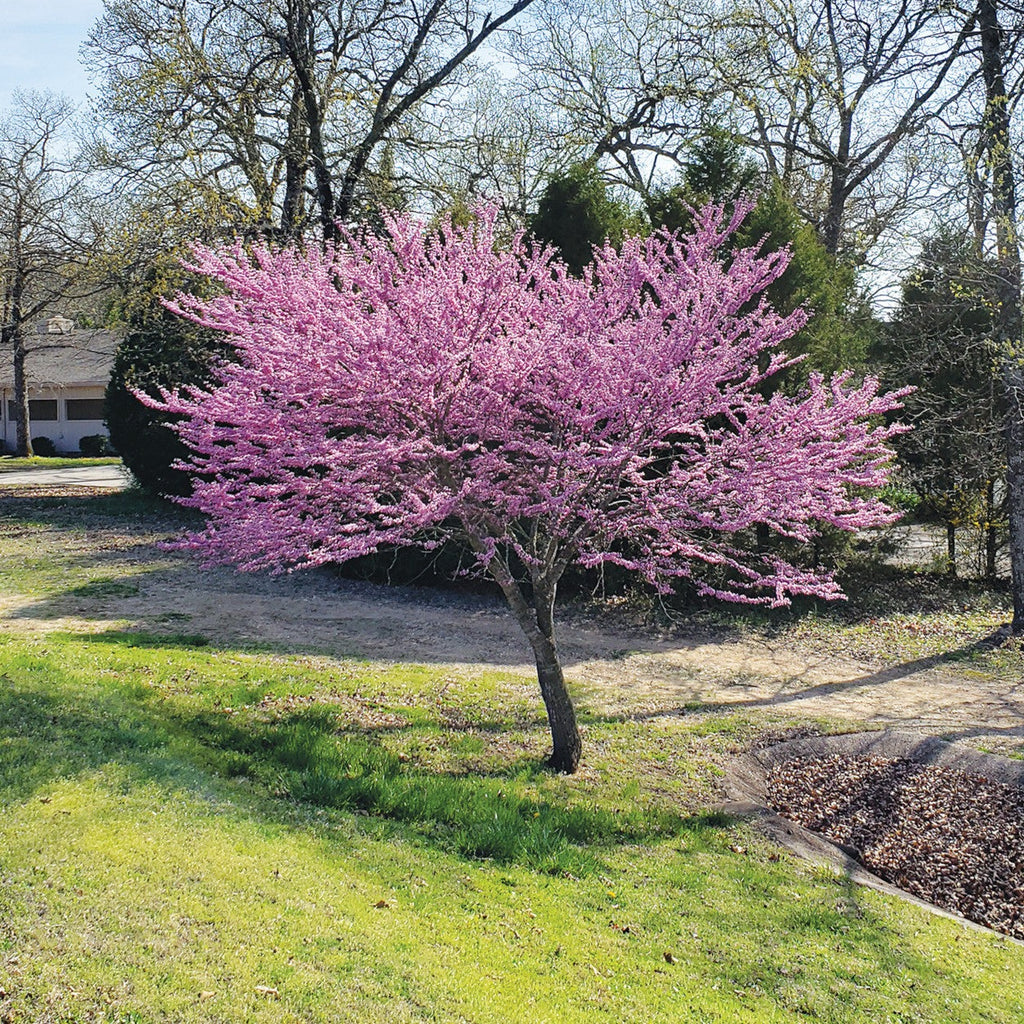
[
  {"x": 52, "y": 491},
  {"x": 950, "y": 837}
]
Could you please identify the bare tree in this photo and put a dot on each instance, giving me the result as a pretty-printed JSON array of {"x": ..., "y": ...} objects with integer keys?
[
  {"x": 831, "y": 92},
  {"x": 48, "y": 233},
  {"x": 619, "y": 84},
  {"x": 281, "y": 106},
  {"x": 1008, "y": 315}
]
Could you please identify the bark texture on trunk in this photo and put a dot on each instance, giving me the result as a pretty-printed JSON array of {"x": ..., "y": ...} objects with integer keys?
[
  {"x": 1013, "y": 379},
  {"x": 566, "y": 743},
  {"x": 536, "y": 618},
  {"x": 951, "y": 548},
  {"x": 296, "y": 162},
  {"x": 22, "y": 434},
  {"x": 13, "y": 332},
  {"x": 1010, "y": 346}
]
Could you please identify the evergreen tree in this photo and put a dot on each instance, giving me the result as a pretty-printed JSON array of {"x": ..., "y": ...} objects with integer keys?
[
  {"x": 159, "y": 350},
  {"x": 841, "y": 328},
  {"x": 939, "y": 342},
  {"x": 576, "y": 215}
]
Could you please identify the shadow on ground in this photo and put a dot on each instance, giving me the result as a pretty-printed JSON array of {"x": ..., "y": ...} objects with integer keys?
[{"x": 282, "y": 761}]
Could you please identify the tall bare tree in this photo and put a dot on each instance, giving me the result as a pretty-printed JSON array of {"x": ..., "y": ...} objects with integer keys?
[
  {"x": 280, "y": 105},
  {"x": 831, "y": 92},
  {"x": 619, "y": 84},
  {"x": 49, "y": 232},
  {"x": 1009, "y": 322}
]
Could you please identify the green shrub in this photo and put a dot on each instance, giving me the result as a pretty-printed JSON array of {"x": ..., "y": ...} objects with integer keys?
[
  {"x": 159, "y": 350},
  {"x": 95, "y": 445},
  {"x": 44, "y": 447}
]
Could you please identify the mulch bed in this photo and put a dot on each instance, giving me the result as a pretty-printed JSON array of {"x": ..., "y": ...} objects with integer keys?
[
  {"x": 950, "y": 837},
  {"x": 52, "y": 490}
]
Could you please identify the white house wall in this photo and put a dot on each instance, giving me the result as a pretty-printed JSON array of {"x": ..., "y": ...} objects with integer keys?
[{"x": 65, "y": 434}]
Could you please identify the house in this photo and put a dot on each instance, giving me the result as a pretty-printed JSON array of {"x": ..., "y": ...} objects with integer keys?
[{"x": 67, "y": 371}]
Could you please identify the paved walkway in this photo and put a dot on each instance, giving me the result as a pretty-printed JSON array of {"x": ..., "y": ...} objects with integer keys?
[{"x": 114, "y": 478}]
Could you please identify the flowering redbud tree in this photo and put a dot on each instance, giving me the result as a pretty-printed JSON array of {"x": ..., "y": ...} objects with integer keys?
[{"x": 404, "y": 389}]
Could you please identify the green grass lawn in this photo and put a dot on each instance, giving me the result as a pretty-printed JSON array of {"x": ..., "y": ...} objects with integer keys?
[
  {"x": 195, "y": 832},
  {"x": 11, "y": 463},
  {"x": 185, "y": 828}
]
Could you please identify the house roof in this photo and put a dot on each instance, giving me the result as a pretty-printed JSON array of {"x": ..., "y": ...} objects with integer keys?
[{"x": 64, "y": 360}]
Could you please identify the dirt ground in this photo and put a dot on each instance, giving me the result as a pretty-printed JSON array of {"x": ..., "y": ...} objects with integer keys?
[{"x": 624, "y": 665}]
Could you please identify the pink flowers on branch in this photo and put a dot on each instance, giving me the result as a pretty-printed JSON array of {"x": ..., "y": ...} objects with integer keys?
[{"x": 396, "y": 390}]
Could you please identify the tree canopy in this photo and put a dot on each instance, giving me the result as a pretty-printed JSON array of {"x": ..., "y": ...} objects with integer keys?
[
  {"x": 400, "y": 389},
  {"x": 577, "y": 215}
]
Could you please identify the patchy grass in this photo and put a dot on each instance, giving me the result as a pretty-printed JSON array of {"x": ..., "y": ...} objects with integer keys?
[
  {"x": 85, "y": 546},
  {"x": 215, "y": 834},
  {"x": 12, "y": 464},
  {"x": 891, "y": 615},
  {"x": 193, "y": 832}
]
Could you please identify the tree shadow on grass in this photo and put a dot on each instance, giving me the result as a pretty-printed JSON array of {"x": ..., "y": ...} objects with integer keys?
[
  {"x": 127, "y": 508},
  {"x": 69, "y": 731},
  {"x": 56, "y": 730}
]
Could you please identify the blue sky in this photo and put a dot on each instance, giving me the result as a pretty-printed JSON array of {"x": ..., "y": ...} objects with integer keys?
[{"x": 39, "y": 41}]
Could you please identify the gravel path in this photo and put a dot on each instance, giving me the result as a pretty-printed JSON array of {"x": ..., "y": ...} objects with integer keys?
[{"x": 625, "y": 665}]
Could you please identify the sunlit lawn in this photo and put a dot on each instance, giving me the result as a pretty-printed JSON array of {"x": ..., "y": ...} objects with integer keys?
[
  {"x": 185, "y": 829},
  {"x": 11, "y": 463},
  {"x": 192, "y": 832}
]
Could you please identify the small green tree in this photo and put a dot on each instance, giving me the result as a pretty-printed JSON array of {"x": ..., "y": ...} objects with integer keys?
[
  {"x": 840, "y": 332},
  {"x": 576, "y": 214}
]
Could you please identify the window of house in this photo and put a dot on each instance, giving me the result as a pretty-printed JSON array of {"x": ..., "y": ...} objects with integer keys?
[
  {"x": 38, "y": 409},
  {"x": 84, "y": 408}
]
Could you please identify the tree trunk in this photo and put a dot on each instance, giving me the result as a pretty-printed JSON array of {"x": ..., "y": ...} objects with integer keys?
[
  {"x": 950, "y": 547},
  {"x": 296, "y": 161},
  {"x": 537, "y": 620},
  {"x": 13, "y": 334},
  {"x": 565, "y": 734},
  {"x": 990, "y": 530},
  {"x": 1008, "y": 284},
  {"x": 1013, "y": 380},
  {"x": 832, "y": 222},
  {"x": 302, "y": 56},
  {"x": 22, "y": 434},
  {"x": 838, "y": 192},
  {"x": 566, "y": 744}
]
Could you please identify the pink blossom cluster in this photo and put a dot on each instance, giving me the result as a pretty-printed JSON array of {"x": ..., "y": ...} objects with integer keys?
[{"x": 398, "y": 389}]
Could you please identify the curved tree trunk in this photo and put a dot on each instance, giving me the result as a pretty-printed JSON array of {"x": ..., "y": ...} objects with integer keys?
[
  {"x": 566, "y": 743},
  {"x": 536, "y": 619}
]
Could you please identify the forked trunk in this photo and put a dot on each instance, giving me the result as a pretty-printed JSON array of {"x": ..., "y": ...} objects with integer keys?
[{"x": 537, "y": 621}]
